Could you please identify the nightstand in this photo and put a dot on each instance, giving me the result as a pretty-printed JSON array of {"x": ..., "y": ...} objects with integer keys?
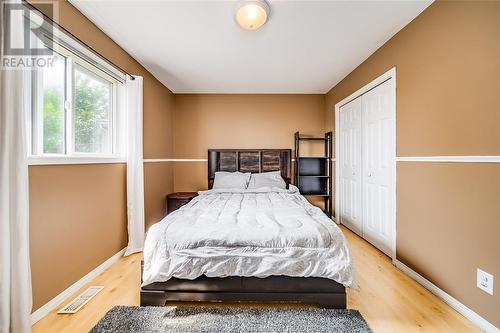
[{"x": 178, "y": 199}]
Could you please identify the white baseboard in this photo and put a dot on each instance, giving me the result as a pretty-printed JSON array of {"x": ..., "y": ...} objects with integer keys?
[
  {"x": 56, "y": 301},
  {"x": 448, "y": 299}
]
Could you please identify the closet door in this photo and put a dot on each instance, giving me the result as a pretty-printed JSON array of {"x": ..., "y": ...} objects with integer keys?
[
  {"x": 378, "y": 114},
  {"x": 350, "y": 198}
]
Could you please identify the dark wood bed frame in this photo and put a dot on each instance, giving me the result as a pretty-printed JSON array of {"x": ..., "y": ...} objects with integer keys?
[{"x": 273, "y": 289}]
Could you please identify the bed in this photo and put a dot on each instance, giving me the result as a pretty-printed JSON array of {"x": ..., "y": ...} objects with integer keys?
[{"x": 262, "y": 245}]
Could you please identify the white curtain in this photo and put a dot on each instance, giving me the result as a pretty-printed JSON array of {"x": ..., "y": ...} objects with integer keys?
[
  {"x": 135, "y": 175},
  {"x": 15, "y": 281}
]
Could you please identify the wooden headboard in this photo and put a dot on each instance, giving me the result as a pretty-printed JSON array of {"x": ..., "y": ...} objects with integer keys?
[{"x": 249, "y": 160}]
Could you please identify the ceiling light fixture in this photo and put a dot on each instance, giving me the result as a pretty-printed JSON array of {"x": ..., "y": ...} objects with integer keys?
[{"x": 252, "y": 14}]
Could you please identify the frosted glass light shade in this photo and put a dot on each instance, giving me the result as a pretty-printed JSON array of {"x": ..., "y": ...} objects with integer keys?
[{"x": 252, "y": 14}]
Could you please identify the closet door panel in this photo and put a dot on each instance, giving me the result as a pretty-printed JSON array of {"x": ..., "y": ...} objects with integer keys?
[
  {"x": 378, "y": 114},
  {"x": 350, "y": 198}
]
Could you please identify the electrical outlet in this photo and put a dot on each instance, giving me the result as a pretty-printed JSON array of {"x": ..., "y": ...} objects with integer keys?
[{"x": 485, "y": 281}]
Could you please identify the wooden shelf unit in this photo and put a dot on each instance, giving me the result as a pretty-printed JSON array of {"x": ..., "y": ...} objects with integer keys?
[{"x": 313, "y": 175}]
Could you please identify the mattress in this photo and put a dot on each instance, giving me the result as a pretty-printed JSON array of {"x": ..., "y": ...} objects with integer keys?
[{"x": 251, "y": 233}]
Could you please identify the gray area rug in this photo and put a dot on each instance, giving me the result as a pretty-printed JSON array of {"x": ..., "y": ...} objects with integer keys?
[{"x": 229, "y": 319}]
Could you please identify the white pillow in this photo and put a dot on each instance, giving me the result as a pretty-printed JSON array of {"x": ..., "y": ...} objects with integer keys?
[
  {"x": 267, "y": 179},
  {"x": 231, "y": 180}
]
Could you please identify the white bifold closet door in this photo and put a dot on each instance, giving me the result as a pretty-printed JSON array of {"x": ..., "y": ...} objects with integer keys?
[
  {"x": 350, "y": 165},
  {"x": 367, "y": 165}
]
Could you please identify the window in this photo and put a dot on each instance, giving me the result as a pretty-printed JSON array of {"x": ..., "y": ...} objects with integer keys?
[
  {"x": 92, "y": 112},
  {"x": 73, "y": 112},
  {"x": 51, "y": 106}
]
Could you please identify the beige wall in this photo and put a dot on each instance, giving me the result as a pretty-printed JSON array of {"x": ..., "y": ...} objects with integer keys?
[
  {"x": 239, "y": 121},
  {"x": 158, "y": 185},
  {"x": 448, "y": 78},
  {"x": 82, "y": 208},
  {"x": 75, "y": 223},
  {"x": 448, "y": 226},
  {"x": 448, "y": 103}
]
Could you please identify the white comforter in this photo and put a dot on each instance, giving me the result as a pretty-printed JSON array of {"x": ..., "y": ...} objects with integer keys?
[{"x": 257, "y": 233}]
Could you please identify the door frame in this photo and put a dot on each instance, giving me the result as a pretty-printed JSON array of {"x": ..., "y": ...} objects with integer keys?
[{"x": 390, "y": 74}]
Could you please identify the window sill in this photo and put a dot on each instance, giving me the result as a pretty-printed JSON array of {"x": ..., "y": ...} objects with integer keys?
[{"x": 62, "y": 160}]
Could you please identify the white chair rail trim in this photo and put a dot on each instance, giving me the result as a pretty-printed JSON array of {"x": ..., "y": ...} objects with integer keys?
[
  {"x": 162, "y": 160},
  {"x": 438, "y": 159},
  {"x": 450, "y": 159}
]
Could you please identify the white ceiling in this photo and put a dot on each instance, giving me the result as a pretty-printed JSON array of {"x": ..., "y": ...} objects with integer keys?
[{"x": 196, "y": 46}]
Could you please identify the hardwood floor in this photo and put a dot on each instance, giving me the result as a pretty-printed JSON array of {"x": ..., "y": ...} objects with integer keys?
[{"x": 388, "y": 299}]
